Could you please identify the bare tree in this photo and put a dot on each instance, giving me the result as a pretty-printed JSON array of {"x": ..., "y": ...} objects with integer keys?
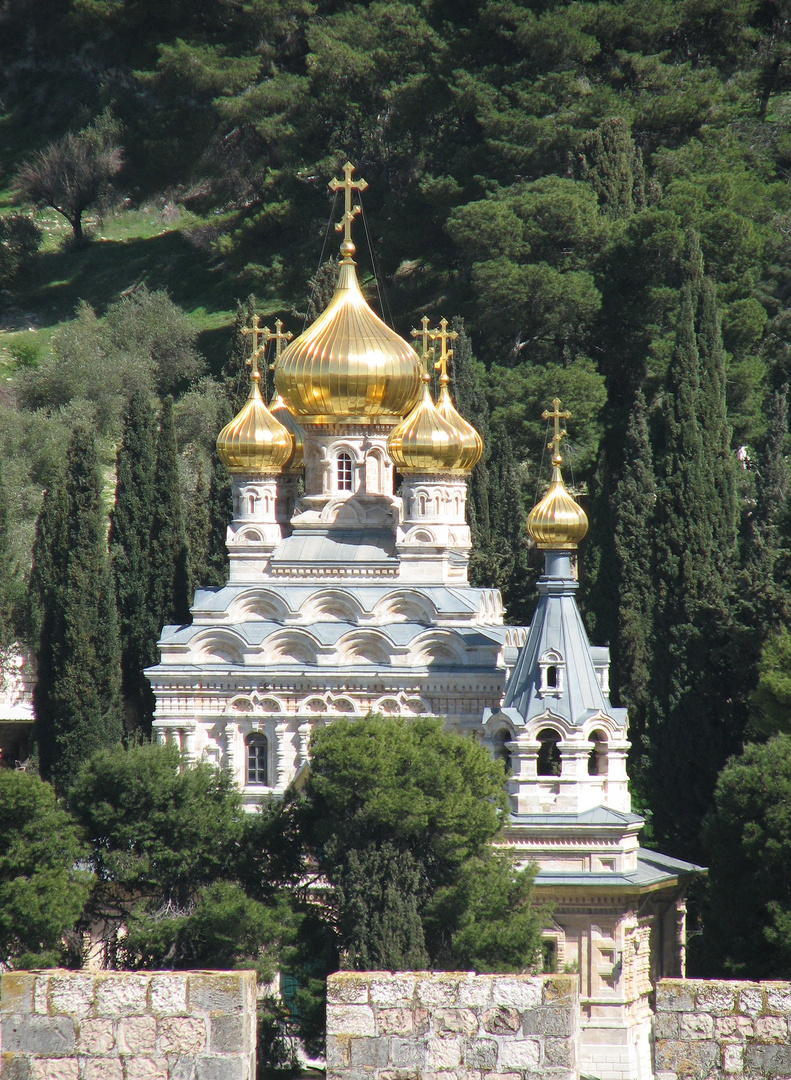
[{"x": 73, "y": 173}]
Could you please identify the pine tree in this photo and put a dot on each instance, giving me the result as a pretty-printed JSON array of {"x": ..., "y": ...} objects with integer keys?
[
  {"x": 634, "y": 504},
  {"x": 130, "y": 549},
  {"x": 169, "y": 582},
  {"x": 77, "y": 695}
]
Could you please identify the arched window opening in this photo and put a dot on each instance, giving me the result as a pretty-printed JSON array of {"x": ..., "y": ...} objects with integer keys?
[
  {"x": 551, "y": 668},
  {"x": 552, "y": 677},
  {"x": 251, "y": 504},
  {"x": 549, "y": 763},
  {"x": 256, "y": 759},
  {"x": 597, "y": 758},
  {"x": 501, "y": 751},
  {"x": 344, "y": 472}
]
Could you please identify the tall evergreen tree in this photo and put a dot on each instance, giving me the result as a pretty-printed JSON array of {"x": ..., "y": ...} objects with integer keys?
[
  {"x": 77, "y": 695},
  {"x": 233, "y": 371},
  {"x": 130, "y": 549},
  {"x": 199, "y": 529},
  {"x": 169, "y": 600},
  {"x": 613, "y": 165},
  {"x": 220, "y": 514},
  {"x": 6, "y": 578}
]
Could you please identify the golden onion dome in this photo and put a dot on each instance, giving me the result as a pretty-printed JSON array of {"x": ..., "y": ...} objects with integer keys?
[
  {"x": 424, "y": 441},
  {"x": 349, "y": 366},
  {"x": 557, "y": 522},
  {"x": 279, "y": 410},
  {"x": 470, "y": 440},
  {"x": 254, "y": 441}
]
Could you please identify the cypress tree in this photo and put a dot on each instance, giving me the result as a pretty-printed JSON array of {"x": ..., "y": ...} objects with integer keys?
[
  {"x": 235, "y": 383},
  {"x": 613, "y": 165},
  {"x": 169, "y": 579},
  {"x": 199, "y": 529},
  {"x": 6, "y": 578},
  {"x": 220, "y": 514},
  {"x": 77, "y": 695},
  {"x": 471, "y": 402},
  {"x": 130, "y": 549}
]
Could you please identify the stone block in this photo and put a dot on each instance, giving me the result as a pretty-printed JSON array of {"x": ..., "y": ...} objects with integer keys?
[
  {"x": 370, "y": 1053},
  {"x": 504, "y": 1076},
  {"x": 41, "y": 995},
  {"x": 438, "y": 990},
  {"x": 458, "y": 1021},
  {"x": 524, "y": 993},
  {"x": 43, "y": 1035},
  {"x": 229, "y": 1034},
  {"x": 733, "y": 1028},
  {"x": 16, "y": 992},
  {"x": 519, "y": 1054},
  {"x": 393, "y": 990},
  {"x": 475, "y": 991},
  {"x": 167, "y": 994},
  {"x": 137, "y": 1035},
  {"x": 182, "y": 1035},
  {"x": 771, "y": 1029},
  {"x": 394, "y": 1021},
  {"x": 71, "y": 994},
  {"x": 557, "y": 1021},
  {"x": 338, "y": 1051},
  {"x": 121, "y": 994},
  {"x": 692, "y": 1059},
  {"x": 13, "y": 1067},
  {"x": 54, "y": 1069},
  {"x": 751, "y": 999},
  {"x": 774, "y": 1059},
  {"x": 560, "y": 1053},
  {"x": 421, "y": 1020},
  {"x": 350, "y": 1020},
  {"x": 146, "y": 1068},
  {"x": 399, "y": 1074},
  {"x": 348, "y": 988},
  {"x": 217, "y": 991},
  {"x": 407, "y": 1053},
  {"x": 733, "y": 1058},
  {"x": 717, "y": 998},
  {"x": 666, "y": 1025},
  {"x": 106, "y": 1068},
  {"x": 182, "y": 1068},
  {"x": 95, "y": 1036},
  {"x": 665, "y": 1076},
  {"x": 501, "y": 1021},
  {"x": 444, "y": 1054},
  {"x": 778, "y": 998},
  {"x": 695, "y": 1026},
  {"x": 559, "y": 988},
  {"x": 481, "y": 1054},
  {"x": 223, "y": 1068},
  {"x": 674, "y": 995}
]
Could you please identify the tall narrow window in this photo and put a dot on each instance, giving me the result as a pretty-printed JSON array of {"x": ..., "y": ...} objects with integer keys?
[
  {"x": 251, "y": 504},
  {"x": 549, "y": 762},
  {"x": 256, "y": 759},
  {"x": 344, "y": 472},
  {"x": 501, "y": 751}
]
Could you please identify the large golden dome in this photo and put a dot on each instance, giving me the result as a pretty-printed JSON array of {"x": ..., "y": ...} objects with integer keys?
[
  {"x": 424, "y": 441},
  {"x": 558, "y": 522},
  {"x": 254, "y": 441},
  {"x": 348, "y": 366}
]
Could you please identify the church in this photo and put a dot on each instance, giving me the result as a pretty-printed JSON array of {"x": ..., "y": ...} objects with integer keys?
[{"x": 345, "y": 598}]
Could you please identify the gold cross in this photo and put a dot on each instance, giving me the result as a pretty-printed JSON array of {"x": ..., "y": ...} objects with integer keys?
[
  {"x": 349, "y": 212},
  {"x": 425, "y": 334},
  {"x": 443, "y": 335},
  {"x": 258, "y": 349},
  {"x": 556, "y": 416},
  {"x": 278, "y": 337}
]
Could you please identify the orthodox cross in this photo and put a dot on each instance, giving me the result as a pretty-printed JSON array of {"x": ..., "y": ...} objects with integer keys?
[
  {"x": 425, "y": 335},
  {"x": 556, "y": 416},
  {"x": 349, "y": 212},
  {"x": 443, "y": 335},
  {"x": 258, "y": 349},
  {"x": 278, "y": 337}
]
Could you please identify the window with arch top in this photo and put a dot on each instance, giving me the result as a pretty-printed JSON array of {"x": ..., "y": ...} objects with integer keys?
[
  {"x": 344, "y": 472},
  {"x": 549, "y": 763},
  {"x": 597, "y": 758},
  {"x": 257, "y": 753},
  {"x": 501, "y": 751}
]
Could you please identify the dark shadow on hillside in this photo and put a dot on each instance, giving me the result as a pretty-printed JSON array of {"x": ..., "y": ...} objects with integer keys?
[{"x": 105, "y": 269}]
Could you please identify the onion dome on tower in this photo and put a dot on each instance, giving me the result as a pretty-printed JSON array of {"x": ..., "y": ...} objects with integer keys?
[
  {"x": 254, "y": 441},
  {"x": 348, "y": 366},
  {"x": 471, "y": 442},
  {"x": 558, "y": 522}
]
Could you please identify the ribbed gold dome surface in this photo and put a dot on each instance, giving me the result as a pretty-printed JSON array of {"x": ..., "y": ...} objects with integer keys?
[
  {"x": 254, "y": 441},
  {"x": 279, "y": 410},
  {"x": 470, "y": 441},
  {"x": 424, "y": 441},
  {"x": 558, "y": 522},
  {"x": 348, "y": 366}
]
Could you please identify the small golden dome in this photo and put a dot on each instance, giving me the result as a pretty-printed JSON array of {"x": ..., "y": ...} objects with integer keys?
[
  {"x": 424, "y": 441},
  {"x": 558, "y": 522},
  {"x": 254, "y": 441},
  {"x": 279, "y": 410},
  {"x": 470, "y": 440},
  {"x": 348, "y": 366}
]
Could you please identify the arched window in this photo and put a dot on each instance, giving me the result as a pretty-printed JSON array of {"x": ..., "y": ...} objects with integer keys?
[
  {"x": 552, "y": 677},
  {"x": 597, "y": 758},
  {"x": 251, "y": 504},
  {"x": 257, "y": 748},
  {"x": 551, "y": 668},
  {"x": 501, "y": 751},
  {"x": 344, "y": 472},
  {"x": 549, "y": 753}
]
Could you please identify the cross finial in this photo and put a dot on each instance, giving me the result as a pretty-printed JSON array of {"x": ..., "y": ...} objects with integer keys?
[
  {"x": 443, "y": 335},
  {"x": 556, "y": 416},
  {"x": 349, "y": 212},
  {"x": 425, "y": 335},
  {"x": 278, "y": 337},
  {"x": 256, "y": 332}
]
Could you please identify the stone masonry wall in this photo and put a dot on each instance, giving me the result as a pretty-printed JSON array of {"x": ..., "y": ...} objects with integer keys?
[
  {"x": 72, "y": 1025},
  {"x": 452, "y": 1026},
  {"x": 722, "y": 1030}
]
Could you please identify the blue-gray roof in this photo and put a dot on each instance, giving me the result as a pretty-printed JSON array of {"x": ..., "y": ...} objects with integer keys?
[{"x": 652, "y": 870}]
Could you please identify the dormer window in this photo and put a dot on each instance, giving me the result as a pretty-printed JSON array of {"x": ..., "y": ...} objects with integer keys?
[
  {"x": 552, "y": 670},
  {"x": 345, "y": 482}
]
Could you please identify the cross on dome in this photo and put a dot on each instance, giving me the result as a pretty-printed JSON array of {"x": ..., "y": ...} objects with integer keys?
[
  {"x": 349, "y": 212},
  {"x": 443, "y": 335},
  {"x": 256, "y": 331},
  {"x": 556, "y": 416},
  {"x": 425, "y": 335},
  {"x": 278, "y": 337}
]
